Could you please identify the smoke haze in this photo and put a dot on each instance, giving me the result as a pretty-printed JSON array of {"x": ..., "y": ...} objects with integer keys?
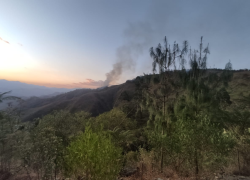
[
  {"x": 138, "y": 38},
  {"x": 174, "y": 20}
]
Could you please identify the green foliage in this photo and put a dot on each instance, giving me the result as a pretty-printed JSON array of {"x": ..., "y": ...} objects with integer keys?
[
  {"x": 9, "y": 124},
  {"x": 65, "y": 124},
  {"x": 93, "y": 156},
  {"x": 125, "y": 96},
  {"x": 111, "y": 120},
  {"x": 116, "y": 123},
  {"x": 203, "y": 141},
  {"x": 238, "y": 126},
  {"x": 48, "y": 140},
  {"x": 45, "y": 152},
  {"x": 192, "y": 143},
  {"x": 184, "y": 133}
]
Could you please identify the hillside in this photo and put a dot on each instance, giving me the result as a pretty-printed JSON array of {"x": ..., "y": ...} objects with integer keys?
[
  {"x": 94, "y": 101},
  {"x": 239, "y": 87},
  {"x": 102, "y": 100}
]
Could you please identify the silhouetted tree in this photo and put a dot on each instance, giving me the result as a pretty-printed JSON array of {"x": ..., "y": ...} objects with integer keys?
[
  {"x": 156, "y": 101},
  {"x": 4, "y": 97}
]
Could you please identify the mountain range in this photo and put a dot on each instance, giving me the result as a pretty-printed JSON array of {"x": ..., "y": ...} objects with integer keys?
[{"x": 27, "y": 90}]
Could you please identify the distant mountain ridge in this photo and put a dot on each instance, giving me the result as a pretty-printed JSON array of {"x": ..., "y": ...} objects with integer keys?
[{"x": 28, "y": 90}]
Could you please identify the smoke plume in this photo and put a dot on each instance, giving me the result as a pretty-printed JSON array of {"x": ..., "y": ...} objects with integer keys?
[{"x": 138, "y": 38}]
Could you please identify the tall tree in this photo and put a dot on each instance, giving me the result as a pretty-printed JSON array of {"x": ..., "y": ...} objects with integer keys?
[
  {"x": 161, "y": 112},
  {"x": 204, "y": 95}
]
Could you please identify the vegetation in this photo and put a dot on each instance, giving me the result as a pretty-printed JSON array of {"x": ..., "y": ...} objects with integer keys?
[
  {"x": 178, "y": 123},
  {"x": 93, "y": 156}
]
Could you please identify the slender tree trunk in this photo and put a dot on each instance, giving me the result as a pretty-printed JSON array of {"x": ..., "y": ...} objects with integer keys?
[
  {"x": 238, "y": 161},
  {"x": 164, "y": 119},
  {"x": 3, "y": 163},
  {"x": 28, "y": 173},
  {"x": 162, "y": 152},
  {"x": 141, "y": 112},
  {"x": 142, "y": 171},
  {"x": 1, "y": 156},
  {"x": 161, "y": 159},
  {"x": 55, "y": 173},
  {"x": 87, "y": 174},
  {"x": 196, "y": 165},
  {"x": 164, "y": 104}
]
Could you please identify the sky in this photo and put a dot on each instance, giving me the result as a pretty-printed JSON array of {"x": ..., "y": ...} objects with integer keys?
[{"x": 92, "y": 43}]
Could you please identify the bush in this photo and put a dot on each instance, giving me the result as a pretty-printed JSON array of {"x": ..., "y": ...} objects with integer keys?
[
  {"x": 93, "y": 156},
  {"x": 113, "y": 119}
]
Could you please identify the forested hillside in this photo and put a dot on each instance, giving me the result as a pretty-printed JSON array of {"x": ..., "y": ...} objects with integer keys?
[
  {"x": 94, "y": 101},
  {"x": 186, "y": 122},
  {"x": 103, "y": 100}
]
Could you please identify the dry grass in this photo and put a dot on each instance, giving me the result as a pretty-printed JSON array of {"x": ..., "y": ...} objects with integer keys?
[
  {"x": 241, "y": 167},
  {"x": 147, "y": 168}
]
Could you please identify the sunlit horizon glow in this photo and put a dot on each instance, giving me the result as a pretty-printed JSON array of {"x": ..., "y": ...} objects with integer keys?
[
  {"x": 13, "y": 57},
  {"x": 17, "y": 65},
  {"x": 54, "y": 84},
  {"x": 75, "y": 44}
]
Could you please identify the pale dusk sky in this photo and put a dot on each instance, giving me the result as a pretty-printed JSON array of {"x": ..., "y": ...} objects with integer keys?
[{"x": 74, "y": 43}]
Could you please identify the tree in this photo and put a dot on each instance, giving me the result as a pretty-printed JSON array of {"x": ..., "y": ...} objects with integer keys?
[
  {"x": 4, "y": 97},
  {"x": 204, "y": 95},
  {"x": 9, "y": 120},
  {"x": 229, "y": 66},
  {"x": 118, "y": 125},
  {"x": 111, "y": 120},
  {"x": 93, "y": 156},
  {"x": 44, "y": 152},
  {"x": 227, "y": 74},
  {"x": 201, "y": 144},
  {"x": 156, "y": 99},
  {"x": 66, "y": 124},
  {"x": 48, "y": 140},
  {"x": 238, "y": 125}
]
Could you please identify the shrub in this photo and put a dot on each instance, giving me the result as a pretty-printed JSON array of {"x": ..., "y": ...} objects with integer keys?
[{"x": 93, "y": 156}]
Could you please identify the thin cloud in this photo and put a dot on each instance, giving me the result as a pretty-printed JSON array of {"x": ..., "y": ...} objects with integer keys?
[{"x": 4, "y": 41}]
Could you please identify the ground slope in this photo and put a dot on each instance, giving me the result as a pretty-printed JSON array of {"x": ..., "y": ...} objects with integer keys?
[{"x": 94, "y": 101}]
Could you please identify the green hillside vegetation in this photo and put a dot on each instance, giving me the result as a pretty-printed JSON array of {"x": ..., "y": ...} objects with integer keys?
[
  {"x": 95, "y": 101},
  {"x": 186, "y": 123}
]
